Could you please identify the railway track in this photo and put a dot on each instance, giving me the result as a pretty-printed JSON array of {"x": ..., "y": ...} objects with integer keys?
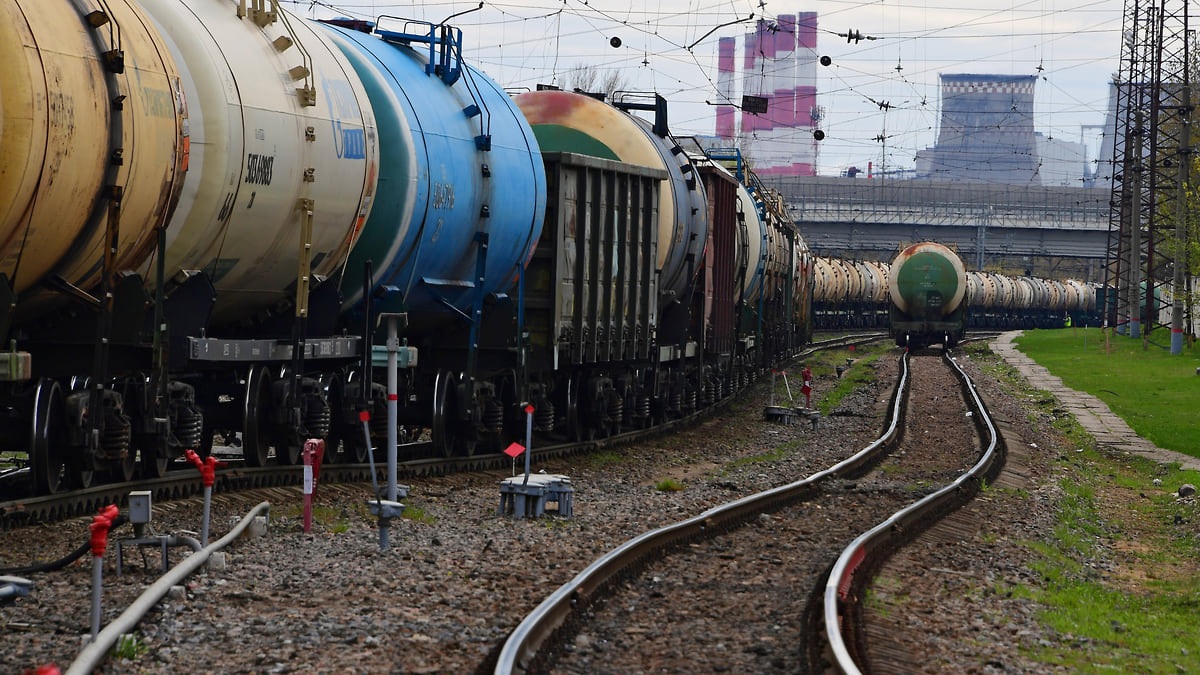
[
  {"x": 182, "y": 483},
  {"x": 759, "y": 564}
]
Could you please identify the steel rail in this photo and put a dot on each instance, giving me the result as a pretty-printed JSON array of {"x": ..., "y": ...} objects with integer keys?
[
  {"x": 525, "y": 645},
  {"x": 856, "y": 563}
]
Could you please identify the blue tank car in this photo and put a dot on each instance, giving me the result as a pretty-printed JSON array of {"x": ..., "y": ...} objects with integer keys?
[
  {"x": 458, "y": 210},
  {"x": 460, "y": 176}
]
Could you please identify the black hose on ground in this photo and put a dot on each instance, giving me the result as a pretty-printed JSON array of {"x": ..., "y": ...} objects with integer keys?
[{"x": 63, "y": 561}]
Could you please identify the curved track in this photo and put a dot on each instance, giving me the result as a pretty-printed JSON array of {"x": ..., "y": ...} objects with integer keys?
[
  {"x": 843, "y": 593},
  {"x": 703, "y": 541}
]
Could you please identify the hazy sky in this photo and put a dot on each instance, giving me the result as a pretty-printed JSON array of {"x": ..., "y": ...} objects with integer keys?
[{"x": 666, "y": 46}]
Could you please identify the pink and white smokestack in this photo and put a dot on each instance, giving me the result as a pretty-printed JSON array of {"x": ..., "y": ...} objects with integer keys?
[
  {"x": 749, "y": 79},
  {"x": 805, "y": 93},
  {"x": 783, "y": 111},
  {"x": 726, "y": 123}
]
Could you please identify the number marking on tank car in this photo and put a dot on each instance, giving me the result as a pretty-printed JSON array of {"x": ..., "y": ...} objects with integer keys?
[{"x": 259, "y": 168}]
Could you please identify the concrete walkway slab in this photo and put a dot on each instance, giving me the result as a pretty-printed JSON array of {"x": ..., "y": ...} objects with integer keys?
[{"x": 1093, "y": 414}]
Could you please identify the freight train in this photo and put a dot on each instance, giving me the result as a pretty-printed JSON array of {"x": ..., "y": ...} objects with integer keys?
[
  {"x": 213, "y": 212},
  {"x": 218, "y": 220},
  {"x": 851, "y": 294}
]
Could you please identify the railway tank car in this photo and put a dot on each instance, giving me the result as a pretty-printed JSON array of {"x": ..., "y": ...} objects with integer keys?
[
  {"x": 460, "y": 206},
  {"x": 927, "y": 285},
  {"x": 94, "y": 148},
  {"x": 999, "y": 301},
  {"x": 283, "y": 168}
]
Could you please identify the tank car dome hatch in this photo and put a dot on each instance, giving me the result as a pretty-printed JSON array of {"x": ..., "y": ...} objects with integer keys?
[
  {"x": 568, "y": 122},
  {"x": 266, "y": 161},
  {"x": 61, "y": 133},
  {"x": 459, "y": 164},
  {"x": 927, "y": 279}
]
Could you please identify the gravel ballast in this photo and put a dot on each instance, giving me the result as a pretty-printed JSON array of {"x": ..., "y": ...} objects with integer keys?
[{"x": 458, "y": 577}]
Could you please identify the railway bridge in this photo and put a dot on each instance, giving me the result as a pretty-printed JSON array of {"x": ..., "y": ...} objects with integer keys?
[{"x": 1046, "y": 231}]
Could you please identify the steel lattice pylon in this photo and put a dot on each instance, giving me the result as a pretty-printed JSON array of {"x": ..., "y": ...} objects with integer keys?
[{"x": 1150, "y": 164}]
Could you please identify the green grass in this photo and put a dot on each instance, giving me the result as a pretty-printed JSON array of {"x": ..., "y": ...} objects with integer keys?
[
  {"x": 128, "y": 646},
  {"x": 332, "y": 520},
  {"x": 1119, "y": 581},
  {"x": 1136, "y": 616},
  {"x": 1156, "y": 393},
  {"x": 417, "y": 514},
  {"x": 668, "y": 485},
  {"x": 773, "y": 455},
  {"x": 599, "y": 460},
  {"x": 824, "y": 365}
]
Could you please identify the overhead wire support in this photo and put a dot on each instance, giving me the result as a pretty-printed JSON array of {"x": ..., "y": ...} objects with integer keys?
[
  {"x": 855, "y": 36},
  {"x": 1150, "y": 171},
  {"x": 717, "y": 28}
]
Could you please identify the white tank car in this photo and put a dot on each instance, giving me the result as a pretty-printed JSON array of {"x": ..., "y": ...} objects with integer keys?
[{"x": 283, "y": 148}]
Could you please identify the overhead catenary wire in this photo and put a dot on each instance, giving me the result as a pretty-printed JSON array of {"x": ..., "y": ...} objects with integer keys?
[{"x": 527, "y": 42}]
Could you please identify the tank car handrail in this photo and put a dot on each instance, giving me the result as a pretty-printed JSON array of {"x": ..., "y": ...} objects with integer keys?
[{"x": 309, "y": 92}]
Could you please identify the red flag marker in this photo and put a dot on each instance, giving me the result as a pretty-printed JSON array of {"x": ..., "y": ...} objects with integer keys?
[{"x": 514, "y": 450}]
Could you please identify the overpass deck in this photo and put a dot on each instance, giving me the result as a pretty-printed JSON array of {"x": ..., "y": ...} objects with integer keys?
[{"x": 858, "y": 217}]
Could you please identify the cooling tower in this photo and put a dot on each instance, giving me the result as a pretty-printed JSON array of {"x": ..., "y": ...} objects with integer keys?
[{"x": 987, "y": 130}]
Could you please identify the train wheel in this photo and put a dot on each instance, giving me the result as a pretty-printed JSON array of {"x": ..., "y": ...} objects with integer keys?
[
  {"x": 465, "y": 438},
  {"x": 339, "y": 437},
  {"x": 287, "y": 455},
  {"x": 124, "y": 469},
  {"x": 574, "y": 419},
  {"x": 206, "y": 441},
  {"x": 255, "y": 430},
  {"x": 154, "y": 464},
  {"x": 354, "y": 452},
  {"x": 80, "y": 474},
  {"x": 465, "y": 444},
  {"x": 47, "y": 443},
  {"x": 439, "y": 430}
]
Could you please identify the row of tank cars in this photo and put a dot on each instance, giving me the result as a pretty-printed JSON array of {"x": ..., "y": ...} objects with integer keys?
[
  {"x": 218, "y": 219},
  {"x": 867, "y": 294}
]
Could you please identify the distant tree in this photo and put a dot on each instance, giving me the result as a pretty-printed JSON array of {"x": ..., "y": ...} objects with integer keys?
[{"x": 591, "y": 79}]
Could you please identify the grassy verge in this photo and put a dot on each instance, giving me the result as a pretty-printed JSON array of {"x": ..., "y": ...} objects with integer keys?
[
  {"x": 1155, "y": 392},
  {"x": 1120, "y": 579},
  {"x": 856, "y": 372}
]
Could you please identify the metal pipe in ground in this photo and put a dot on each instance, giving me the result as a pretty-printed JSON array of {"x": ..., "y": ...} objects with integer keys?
[{"x": 89, "y": 657}]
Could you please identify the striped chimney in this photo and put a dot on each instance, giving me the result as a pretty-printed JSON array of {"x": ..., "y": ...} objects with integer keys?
[{"x": 726, "y": 122}]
